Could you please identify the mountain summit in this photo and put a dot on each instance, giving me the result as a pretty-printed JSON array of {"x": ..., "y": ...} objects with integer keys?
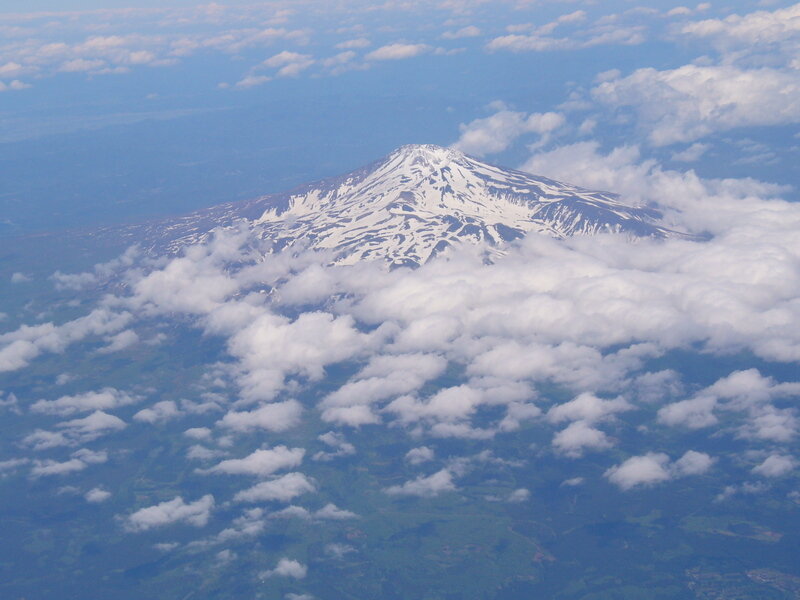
[{"x": 415, "y": 202}]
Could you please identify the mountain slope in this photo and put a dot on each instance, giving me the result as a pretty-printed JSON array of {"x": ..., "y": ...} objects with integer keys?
[{"x": 414, "y": 203}]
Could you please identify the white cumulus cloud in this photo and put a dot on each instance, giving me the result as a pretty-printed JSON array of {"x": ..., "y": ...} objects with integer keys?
[
  {"x": 195, "y": 513},
  {"x": 398, "y": 51},
  {"x": 260, "y": 463},
  {"x": 287, "y": 567},
  {"x": 281, "y": 489},
  {"x": 426, "y": 487}
]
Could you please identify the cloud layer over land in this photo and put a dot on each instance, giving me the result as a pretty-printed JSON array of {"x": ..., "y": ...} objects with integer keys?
[{"x": 290, "y": 395}]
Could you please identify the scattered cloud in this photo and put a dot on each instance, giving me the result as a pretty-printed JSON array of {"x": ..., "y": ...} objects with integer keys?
[
  {"x": 49, "y": 51},
  {"x": 289, "y": 64},
  {"x": 339, "y": 62},
  {"x": 14, "y": 85},
  {"x": 398, "y": 51},
  {"x": 287, "y": 568},
  {"x": 338, "y": 445},
  {"x": 645, "y": 470},
  {"x": 693, "y": 463},
  {"x": 80, "y": 460},
  {"x": 417, "y": 456},
  {"x": 655, "y": 467},
  {"x": 250, "y": 81},
  {"x": 497, "y": 132},
  {"x": 693, "y": 101},
  {"x": 691, "y": 154},
  {"x": 355, "y": 43},
  {"x": 573, "y": 481},
  {"x": 334, "y": 513},
  {"x": 578, "y": 437},
  {"x": 426, "y": 487},
  {"x": 280, "y": 489},
  {"x": 383, "y": 378},
  {"x": 11, "y": 465},
  {"x": 694, "y": 413},
  {"x": 747, "y": 393},
  {"x": 775, "y": 465},
  {"x": 120, "y": 341},
  {"x": 260, "y": 463},
  {"x": 159, "y": 412},
  {"x": 75, "y": 432},
  {"x": 18, "y": 348},
  {"x": 198, "y": 433},
  {"x": 519, "y": 495},
  {"x": 587, "y": 407},
  {"x": 275, "y": 416},
  {"x": 173, "y": 511},
  {"x": 738, "y": 37},
  {"x": 465, "y": 32},
  {"x": 199, "y": 452},
  {"x": 339, "y": 551},
  {"x": 542, "y": 38},
  {"x": 105, "y": 399},
  {"x": 97, "y": 495}
]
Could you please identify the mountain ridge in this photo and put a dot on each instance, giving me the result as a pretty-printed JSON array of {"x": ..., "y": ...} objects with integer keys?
[{"x": 412, "y": 204}]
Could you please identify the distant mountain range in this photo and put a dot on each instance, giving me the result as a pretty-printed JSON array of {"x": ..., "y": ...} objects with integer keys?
[{"x": 410, "y": 206}]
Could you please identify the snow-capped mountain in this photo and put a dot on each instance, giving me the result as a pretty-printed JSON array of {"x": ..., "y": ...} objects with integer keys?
[{"x": 412, "y": 204}]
